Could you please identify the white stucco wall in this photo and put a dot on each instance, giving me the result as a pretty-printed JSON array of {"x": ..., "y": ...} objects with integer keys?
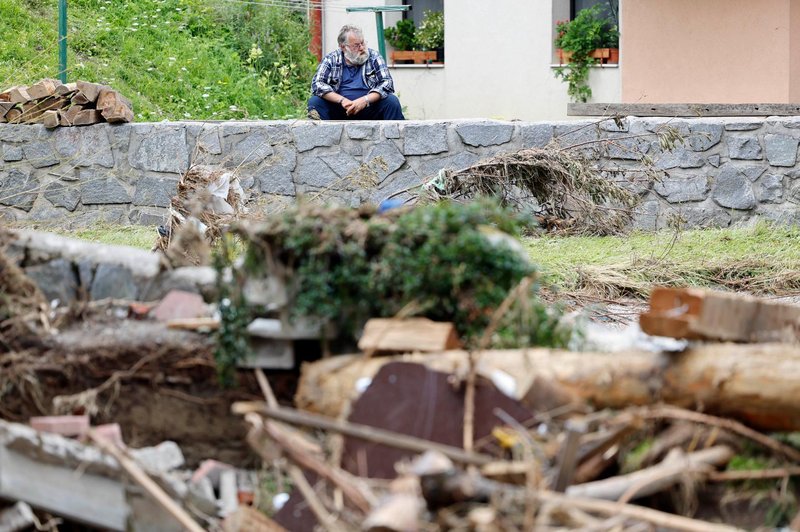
[{"x": 498, "y": 62}]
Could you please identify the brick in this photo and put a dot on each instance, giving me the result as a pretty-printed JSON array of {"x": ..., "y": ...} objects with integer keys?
[
  {"x": 63, "y": 425},
  {"x": 110, "y": 432},
  {"x": 179, "y": 304}
]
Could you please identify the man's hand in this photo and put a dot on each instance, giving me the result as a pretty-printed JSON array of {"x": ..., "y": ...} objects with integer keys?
[{"x": 353, "y": 107}]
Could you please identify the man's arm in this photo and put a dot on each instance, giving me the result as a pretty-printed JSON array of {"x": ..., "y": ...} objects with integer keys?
[
  {"x": 320, "y": 83},
  {"x": 385, "y": 85}
]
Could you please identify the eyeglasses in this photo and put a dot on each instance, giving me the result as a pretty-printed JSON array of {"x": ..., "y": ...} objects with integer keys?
[{"x": 357, "y": 45}]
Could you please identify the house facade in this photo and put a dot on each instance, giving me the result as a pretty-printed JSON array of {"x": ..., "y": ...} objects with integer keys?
[{"x": 499, "y": 56}]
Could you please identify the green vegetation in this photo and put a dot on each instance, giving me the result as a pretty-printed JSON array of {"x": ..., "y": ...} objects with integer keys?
[
  {"x": 589, "y": 30},
  {"x": 760, "y": 259},
  {"x": 446, "y": 261},
  {"x": 175, "y": 59}
]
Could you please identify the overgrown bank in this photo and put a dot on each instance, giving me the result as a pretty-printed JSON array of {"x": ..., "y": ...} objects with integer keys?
[{"x": 173, "y": 58}]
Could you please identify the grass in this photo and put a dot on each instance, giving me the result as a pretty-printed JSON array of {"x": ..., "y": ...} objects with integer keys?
[
  {"x": 761, "y": 259},
  {"x": 137, "y": 236},
  {"x": 175, "y": 59}
]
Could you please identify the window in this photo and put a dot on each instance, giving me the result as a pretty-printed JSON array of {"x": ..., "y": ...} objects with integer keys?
[
  {"x": 610, "y": 8},
  {"x": 425, "y": 20}
]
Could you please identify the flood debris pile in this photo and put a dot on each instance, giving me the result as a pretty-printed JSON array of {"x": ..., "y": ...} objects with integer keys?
[
  {"x": 559, "y": 186},
  {"x": 447, "y": 413},
  {"x": 318, "y": 271},
  {"x": 207, "y": 201}
]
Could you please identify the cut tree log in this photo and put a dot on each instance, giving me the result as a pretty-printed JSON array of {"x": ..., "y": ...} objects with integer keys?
[
  {"x": 68, "y": 116},
  {"x": 18, "y": 95},
  {"x": 5, "y": 107},
  {"x": 13, "y": 115},
  {"x": 66, "y": 89},
  {"x": 408, "y": 335},
  {"x": 51, "y": 119},
  {"x": 87, "y": 117},
  {"x": 756, "y": 383},
  {"x": 111, "y": 98},
  {"x": 42, "y": 89},
  {"x": 117, "y": 113},
  {"x": 90, "y": 90},
  {"x": 79, "y": 99},
  {"x": 693, "y": 313}
]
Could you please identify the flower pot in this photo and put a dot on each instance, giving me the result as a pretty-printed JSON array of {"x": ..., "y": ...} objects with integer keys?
[
  {"x": 606, "y": 55},
  {"x": 413, "y": 56},
  {"x": 563, "y": 56}
]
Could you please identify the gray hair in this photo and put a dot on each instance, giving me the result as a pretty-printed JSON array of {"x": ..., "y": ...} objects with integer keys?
[{"x": 347, "y": 28}]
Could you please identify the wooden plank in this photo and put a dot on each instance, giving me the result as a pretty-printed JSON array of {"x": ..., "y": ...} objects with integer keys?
[
  {"x": 692, "y": 110},
  {"x": 692, "y": 313},
  {"x": 86, "y": 498},
  {"x": 408, "y": 335},
  {"x": 147, "y": 484}
]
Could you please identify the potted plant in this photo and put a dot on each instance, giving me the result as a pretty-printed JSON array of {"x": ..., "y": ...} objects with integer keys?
[
  {"x": 430, "y": 35},
  {"x": 577, "y": 41},
  {"x": 403, "y": 38}
]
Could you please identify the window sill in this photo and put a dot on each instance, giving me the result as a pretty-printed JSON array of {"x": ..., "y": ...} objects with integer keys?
[
  {"x": 607, "y": 65},
  {"x": 431, "y": 66}
]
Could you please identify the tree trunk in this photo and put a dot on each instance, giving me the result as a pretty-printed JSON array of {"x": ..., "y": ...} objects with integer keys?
[{"x": 757, "y": 383}]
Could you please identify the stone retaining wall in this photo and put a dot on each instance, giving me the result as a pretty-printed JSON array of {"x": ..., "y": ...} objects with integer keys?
[{"x": 726, "y": 170}]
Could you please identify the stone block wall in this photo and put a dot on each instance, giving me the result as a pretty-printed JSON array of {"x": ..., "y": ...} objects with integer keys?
[{"x": 725, "y": 170}]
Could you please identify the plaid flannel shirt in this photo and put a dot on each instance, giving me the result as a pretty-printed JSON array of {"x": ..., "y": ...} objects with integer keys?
[{"x": 328, "y": 77}]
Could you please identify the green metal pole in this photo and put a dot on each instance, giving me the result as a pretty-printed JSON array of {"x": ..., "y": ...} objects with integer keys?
[
  {"x": 381, "y": 42},
  {"x": 62, "y": 40}
]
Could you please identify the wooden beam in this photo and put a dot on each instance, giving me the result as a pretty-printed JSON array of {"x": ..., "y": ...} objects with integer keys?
[
  {"x": 691, "y": 110},
  {"x": 364, "y": 432}
]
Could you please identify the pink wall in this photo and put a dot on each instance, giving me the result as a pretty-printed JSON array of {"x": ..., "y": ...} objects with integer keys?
[{"x": 710, "y": 51}]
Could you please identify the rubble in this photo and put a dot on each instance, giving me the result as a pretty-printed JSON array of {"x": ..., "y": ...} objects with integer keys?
[{"x": 412, "y": 432}]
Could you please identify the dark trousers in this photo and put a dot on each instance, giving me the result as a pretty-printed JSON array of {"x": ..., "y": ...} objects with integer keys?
[{"x": 384, "y": 109}]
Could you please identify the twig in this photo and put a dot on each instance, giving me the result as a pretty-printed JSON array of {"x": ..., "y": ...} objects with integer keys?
[
  {"x": 674, "y": 412},
  {"x": 663, "y": 519},
  {"x": 364, "y": 432},
  {"x": 141, "y": 478},
  {"x": 320, "y": 512},
  {"x": 338, "y": 477},
  {"x": 757, "y": 474},
  {"x": 266, "y": 389}
]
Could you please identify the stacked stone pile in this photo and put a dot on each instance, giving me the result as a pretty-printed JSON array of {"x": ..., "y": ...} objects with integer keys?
[{"x": 54, "y": 104}]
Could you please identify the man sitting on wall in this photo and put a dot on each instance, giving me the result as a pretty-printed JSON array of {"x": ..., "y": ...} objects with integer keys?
[{"x": 353, "y": 83}]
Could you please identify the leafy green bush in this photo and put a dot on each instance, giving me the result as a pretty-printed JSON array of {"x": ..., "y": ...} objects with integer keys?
[
  {"x": 430, "y": 34},
  {"x": 589, "y": 30},
  {"x": 446, "y": 261},
  {"x": 403, "y": 36}
]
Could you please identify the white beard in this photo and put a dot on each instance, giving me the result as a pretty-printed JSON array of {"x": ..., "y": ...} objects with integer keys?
[{"x": 357, "y": 58}]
